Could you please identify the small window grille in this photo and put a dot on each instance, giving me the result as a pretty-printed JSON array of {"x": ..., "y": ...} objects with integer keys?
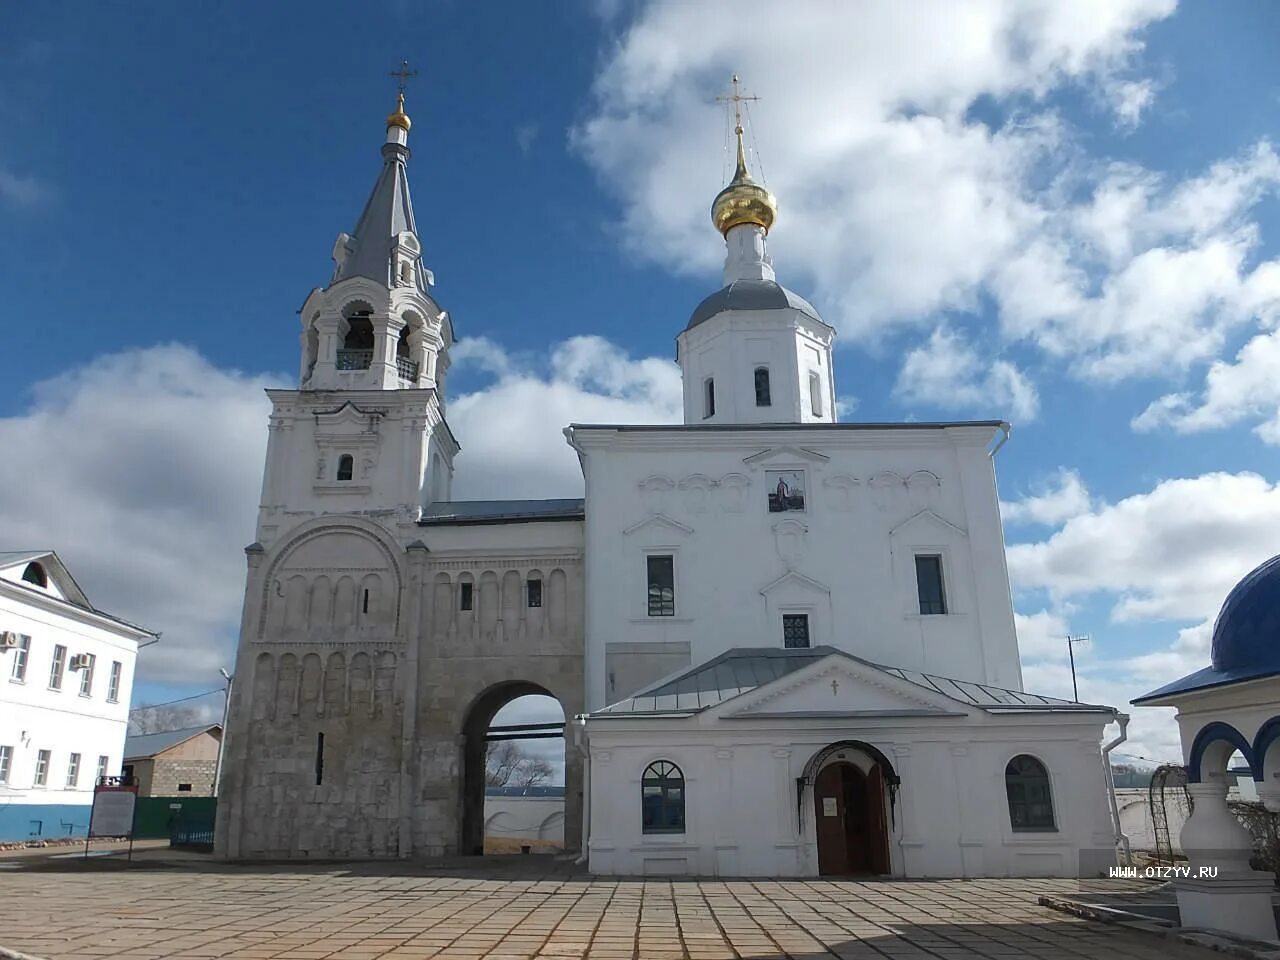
[
  {"x": 795, "y": 630},
  {"x": 346, "y": 466},
  {"x": 466, "y": 596},
  {"x": 535, "y": 593}
]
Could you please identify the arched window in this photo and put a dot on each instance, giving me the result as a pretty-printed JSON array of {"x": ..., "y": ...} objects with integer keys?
[
  {"x": 662, "y": 798},
  {"x": 708, "y": 398},
  {"x": 1027, "y": 784},
  {"x": 356, "y": 352},
  {"x": 34, "y": 573},
  {"x": 763, "y": 396},
  {"x": 815, "y": 394},
  {"x": 346, "y": 465}
]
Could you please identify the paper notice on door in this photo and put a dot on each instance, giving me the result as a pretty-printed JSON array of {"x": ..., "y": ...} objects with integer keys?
[{"x": 829, "y": 807}]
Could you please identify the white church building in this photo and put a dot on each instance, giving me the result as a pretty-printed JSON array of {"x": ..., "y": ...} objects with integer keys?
[{"x": 784, "y": 645}]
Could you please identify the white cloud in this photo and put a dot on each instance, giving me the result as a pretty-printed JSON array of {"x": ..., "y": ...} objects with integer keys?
[
  {"x": 142, "y": 470},
  {"x": 898, "y": 204},
  {"x": 1169, "y": 554},
  {"x": 1069, "y": 498},
  {"x": 1233, "y": 392},
  {"x": 1041, "y": 635},
  {"x": 947, "y": 372},
  {"x": 510, "y": 430}
]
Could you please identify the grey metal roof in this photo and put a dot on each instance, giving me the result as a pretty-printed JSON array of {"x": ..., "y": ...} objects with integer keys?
[
  {"x": 458, "y": 512},
  {"x": 815, "y": 427},
  {"x": 750, "y": 295},
  {"x": 387, "y": 213},
  {"x": 143, "y": 745},
  {"x": 743, "y": 669}
]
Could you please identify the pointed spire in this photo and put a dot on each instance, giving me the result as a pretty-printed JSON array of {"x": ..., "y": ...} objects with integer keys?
[{"x": 743, "y": 200}]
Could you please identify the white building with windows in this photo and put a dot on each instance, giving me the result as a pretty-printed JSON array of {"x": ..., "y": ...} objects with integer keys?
[
  {"x": 66, "y": 674},
  {"x": 788, "y": 641}
]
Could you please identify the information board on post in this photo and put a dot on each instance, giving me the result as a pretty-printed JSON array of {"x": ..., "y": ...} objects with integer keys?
[{"x": 114, "y": 801}]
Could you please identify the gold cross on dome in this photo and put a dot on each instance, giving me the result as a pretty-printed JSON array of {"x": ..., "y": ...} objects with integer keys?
[
  {"x": 737, "y": 98},
  {"x": 404, "y": 75}
]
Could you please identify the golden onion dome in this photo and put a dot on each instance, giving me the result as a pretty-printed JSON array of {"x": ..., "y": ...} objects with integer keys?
[
  {"x": 743, "y": 200},
  {"x": 399, "y": 118}
]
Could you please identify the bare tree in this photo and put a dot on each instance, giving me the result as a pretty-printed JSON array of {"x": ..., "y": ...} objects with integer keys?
[{"x": 508, "y": 765}]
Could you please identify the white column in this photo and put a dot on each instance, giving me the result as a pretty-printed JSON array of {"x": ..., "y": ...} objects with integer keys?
[{"x": 1222, "y": 892}]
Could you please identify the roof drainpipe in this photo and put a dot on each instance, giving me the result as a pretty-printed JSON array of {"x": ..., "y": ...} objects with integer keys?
[
  {"x": 580, "y": 741},
  {"x": 1122, "y": 841}
]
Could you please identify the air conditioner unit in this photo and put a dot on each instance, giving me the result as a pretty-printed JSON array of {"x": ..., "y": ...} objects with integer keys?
[
  {"x": 8, "y": 640},
  {"x": 81, "y": 661}
]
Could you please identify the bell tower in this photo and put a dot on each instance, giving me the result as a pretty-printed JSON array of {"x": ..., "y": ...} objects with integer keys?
[{"x": 365, "y": 430}]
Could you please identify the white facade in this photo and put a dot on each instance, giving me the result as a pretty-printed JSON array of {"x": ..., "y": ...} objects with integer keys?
[
  {"x": 65, "y": 685},
  {"x": 749, "y": 765},
  {"x": 873, "y": 499}
]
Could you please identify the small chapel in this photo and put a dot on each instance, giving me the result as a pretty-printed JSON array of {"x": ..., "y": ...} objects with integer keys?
[{"x": 784, "y": 644}]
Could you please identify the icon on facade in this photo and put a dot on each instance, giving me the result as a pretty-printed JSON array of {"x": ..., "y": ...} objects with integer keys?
[{"x": 786, "y": 490}]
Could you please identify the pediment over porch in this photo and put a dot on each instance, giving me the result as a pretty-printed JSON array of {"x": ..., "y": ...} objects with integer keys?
[{"x": 839, "y": 685}]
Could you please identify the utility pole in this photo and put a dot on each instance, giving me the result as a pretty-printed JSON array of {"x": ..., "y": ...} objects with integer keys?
[
  {"x": 1071, "y": 652},
  {"x": 222, "y": 741}
]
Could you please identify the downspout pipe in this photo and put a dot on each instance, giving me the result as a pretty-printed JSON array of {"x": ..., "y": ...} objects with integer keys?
[
  {"x": 580, "y": 742},
  {"x": 1122, "y": 841}
]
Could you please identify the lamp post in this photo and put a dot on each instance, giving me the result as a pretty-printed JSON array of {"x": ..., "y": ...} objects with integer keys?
[
  {"x": 1071, "y": 652},
  {"x": 222, "y": 741}
]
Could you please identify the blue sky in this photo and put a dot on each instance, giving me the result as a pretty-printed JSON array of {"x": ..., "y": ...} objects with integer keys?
[{"x": 1063, "y": 217}]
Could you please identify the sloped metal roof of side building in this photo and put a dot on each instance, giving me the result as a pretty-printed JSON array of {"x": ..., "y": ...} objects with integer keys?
[
  {"x": 743, "y": 669},
  {"x": 458, "y": 512}
]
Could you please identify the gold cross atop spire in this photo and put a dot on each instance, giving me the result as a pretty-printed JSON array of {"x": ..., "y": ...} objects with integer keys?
[
  {"x": 743, "y": 200},
  {"x": 404, "y": 75},
  {"x": 737, "y": 98},
  {"x": 400, "y": 118}
]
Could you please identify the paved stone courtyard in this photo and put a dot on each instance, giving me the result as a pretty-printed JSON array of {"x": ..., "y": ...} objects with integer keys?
[{"x": 502, "y": 912}]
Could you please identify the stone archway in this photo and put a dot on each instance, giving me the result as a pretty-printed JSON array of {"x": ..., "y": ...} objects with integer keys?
[{"x": 475, "y": 728}]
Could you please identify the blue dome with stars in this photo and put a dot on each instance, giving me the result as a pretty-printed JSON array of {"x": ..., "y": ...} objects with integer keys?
[{"x": 1246, "y": 636}]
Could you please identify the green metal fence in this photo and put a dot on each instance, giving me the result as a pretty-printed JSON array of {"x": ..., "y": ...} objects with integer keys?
[{"x": 156, "y": 817}]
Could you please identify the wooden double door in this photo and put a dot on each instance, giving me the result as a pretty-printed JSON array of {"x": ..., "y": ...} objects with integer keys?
[{"x": 851, "y": 824}]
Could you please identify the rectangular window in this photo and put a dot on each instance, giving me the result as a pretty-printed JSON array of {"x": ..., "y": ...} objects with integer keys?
[
  {"x": 73, "y": 771},
  {"x": 466, "y": 597},
  {"x": 86, "y": 675},
  {"x": 21, "y": 654},
  {"x": 764, "y": 396},
  {"x": 815, "y": 394},
  {"x": 57, "y": 668},
  {"x": 42, "y": 768},
  {"x": 535, "y": 593},
  {"x": 184, "y": 788},
  {"x": 662, "y": 585},
  {"x": 6, "y": 763},
  {"x": 708, "y": 398},
  {"x": 929, "y": 584},
  {"x": 795, "y": 630},
  {"x": 102, "y": 767},
  {"x": 113, "y": 685},
  {"x": 319, "y": 759}
]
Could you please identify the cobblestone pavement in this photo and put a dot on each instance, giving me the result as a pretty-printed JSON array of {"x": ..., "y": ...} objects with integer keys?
[{"x": 256, "y": 913}]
